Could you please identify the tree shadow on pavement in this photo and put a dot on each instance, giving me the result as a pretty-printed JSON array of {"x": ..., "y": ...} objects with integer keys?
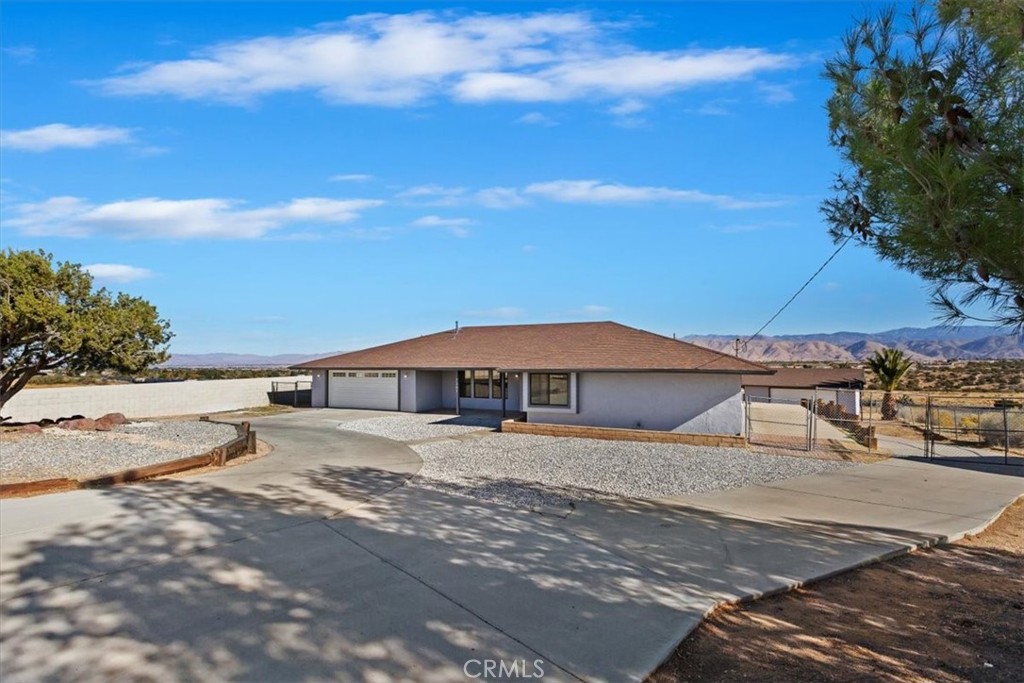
[{"x": 193, "y": 581}]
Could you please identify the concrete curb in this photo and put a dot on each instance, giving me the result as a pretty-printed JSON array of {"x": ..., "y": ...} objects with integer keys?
[
  {"x": 244, "y": 442},
  {"x": 928, "y": 542}
]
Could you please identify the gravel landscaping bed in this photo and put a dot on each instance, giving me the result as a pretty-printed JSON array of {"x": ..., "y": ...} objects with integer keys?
[
  {"x": 58, "y": 453},
  {"x": 543, "y": 472},
  {"x": 418, "y": 426}
]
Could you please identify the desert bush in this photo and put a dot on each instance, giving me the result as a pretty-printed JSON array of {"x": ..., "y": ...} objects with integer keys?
[{"x": 991, "y": 429}]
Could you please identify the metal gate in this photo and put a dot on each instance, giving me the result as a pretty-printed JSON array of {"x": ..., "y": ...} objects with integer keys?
[
  {"x": 821, "y": 419},
  {"x": 779, "y": 422},
  {"x": 983, "y": 431}
]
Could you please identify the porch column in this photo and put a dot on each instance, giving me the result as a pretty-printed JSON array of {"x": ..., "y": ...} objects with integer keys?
[{"x": 458, "y": 392}]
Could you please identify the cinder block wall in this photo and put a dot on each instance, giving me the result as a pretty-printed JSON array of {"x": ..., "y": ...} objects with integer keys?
[
  {"x": 613, "y": 434},
  {"x": 142, "y": 400}
]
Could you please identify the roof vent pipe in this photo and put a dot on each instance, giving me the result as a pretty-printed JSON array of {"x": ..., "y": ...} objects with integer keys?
[{"x": 456, "y": 327}]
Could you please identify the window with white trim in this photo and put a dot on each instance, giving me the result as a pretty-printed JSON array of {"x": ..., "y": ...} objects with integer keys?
[{"x": 549, "y": 389}]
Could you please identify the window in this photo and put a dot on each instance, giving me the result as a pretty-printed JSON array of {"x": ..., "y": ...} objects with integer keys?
[
  {"x": 389, "y": 374},
  {"x": 481, "y": 384},
  {"x": 549, "y": 389},
  {"x": 337, "y": 374},
  {"x": 353, "y": 374},
  {"x": 496, "y": 385},
  {"x": 464, "y": 383},
  {"x": 371, "y": 374}
]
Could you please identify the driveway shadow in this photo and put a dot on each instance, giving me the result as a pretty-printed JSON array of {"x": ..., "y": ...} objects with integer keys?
[{"x": 193, "y": 581}]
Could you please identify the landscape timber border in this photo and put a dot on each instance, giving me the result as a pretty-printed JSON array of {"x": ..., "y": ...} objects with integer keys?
[{"x": 243, "y": 443}]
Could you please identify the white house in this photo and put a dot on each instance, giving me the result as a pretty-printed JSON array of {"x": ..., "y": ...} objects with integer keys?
[{"x": 599, "y": 374}]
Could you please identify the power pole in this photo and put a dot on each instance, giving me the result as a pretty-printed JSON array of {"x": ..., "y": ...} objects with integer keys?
[{"x": 737, "y": 345}]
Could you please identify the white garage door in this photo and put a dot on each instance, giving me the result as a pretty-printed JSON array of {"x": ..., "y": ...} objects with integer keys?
[{"x": 370, "y": 389}]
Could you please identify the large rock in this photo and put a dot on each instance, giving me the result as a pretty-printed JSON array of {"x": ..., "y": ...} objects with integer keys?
[
  {"x": 82, "y": 425},
  {"x": 30, "y": 429},
  {"x": 109, "y": 421}
]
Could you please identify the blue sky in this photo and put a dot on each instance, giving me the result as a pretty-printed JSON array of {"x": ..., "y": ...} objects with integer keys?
[{"x": 326, "y": 176}]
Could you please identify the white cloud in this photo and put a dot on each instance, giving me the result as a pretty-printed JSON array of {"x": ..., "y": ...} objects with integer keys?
[
  {"x": 440, "y": 195},
  {"x": 117, "y": 272},
  {"x": 401, "y": 59},
  {"x": 736, "y": 228},
  {"x": 501, "y": 312},
  {"x": 499, "y": 198},
  {"x": 351, "y": 178},
  {"x": 535, "y": 118},
  {"x": 21, "y": 53},
  {"x": 433, "y": 195},
  {"x": 156, "y": 218},
  {"x": 573, "y": 192},
  {"x": 597, "y": 192},
  {"x": 714, "y": 108},
  {"x": 776, "y": 93},
  {"x": 639, "y": 73},
  {"x": 56, "y": 135},
  {"x": 456, "y": 226},
  {"x": 627, "y": 107},
  {"x": 590, "y": 311}
]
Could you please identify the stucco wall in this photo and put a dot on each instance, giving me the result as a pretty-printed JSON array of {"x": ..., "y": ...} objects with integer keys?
[
  {"x": 849, "y": 400},
  {"x": 699, "y": 403},
  {"x": 789, "y": 395},
  {"x": 449, "y": 389},
  {"x": 143, "y": 400},
  {"x": 319, "y": 398},
  {"x": 407, "y": 381},
  {"x": 758, "y": 393},
  {"x": 428, "y": 390}
]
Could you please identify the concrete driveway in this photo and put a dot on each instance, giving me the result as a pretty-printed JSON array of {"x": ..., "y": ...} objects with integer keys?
[{"x": 316, "y": 563}]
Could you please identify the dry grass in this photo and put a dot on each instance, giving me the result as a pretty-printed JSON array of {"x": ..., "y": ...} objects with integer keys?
[{"x": 948, "y": 615}]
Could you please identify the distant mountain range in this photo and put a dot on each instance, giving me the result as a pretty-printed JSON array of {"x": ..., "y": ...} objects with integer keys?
[
  {"x": 925, "y": 344},
  {"x": 239, "y": 360},
  {"x": 973, "y": 342}
]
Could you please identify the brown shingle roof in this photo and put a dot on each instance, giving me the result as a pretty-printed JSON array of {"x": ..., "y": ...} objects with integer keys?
[
  {"x": 556, "y": 346},
  {"x": 808, "y": 378}
]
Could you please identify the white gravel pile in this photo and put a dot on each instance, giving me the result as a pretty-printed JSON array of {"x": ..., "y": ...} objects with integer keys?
[
  {"x": 59, "y": 453},
  {"x": 543, "y": 472},
  {"x": 418, "y": 426}
]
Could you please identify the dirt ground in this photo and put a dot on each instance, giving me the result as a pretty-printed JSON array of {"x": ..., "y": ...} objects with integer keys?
[{"x": 947, "y": 615}]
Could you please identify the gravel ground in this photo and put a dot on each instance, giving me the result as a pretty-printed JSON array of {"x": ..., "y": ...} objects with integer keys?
[
  {"x": 417, "y": 426},
  {"x": 59, "y": 453},
  {"x": 544, "y": 472}
]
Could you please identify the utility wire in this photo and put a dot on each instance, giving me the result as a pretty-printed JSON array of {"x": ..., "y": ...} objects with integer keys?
[
  {"x": 785, "y": 305},
  {"x": 802, "y": 288}
]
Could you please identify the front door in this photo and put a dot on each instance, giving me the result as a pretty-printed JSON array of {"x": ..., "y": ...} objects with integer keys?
[{"x": 514, "y": 387}]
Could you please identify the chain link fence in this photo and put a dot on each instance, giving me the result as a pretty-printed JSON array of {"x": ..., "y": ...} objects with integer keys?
[
  {"x": 974, "y": 429},
  {"x": 827, "y": 419},
  {"x": 966, "y": 426}
]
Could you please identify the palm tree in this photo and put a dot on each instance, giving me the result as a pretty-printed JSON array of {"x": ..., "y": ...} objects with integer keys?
[{"x": 889, "y": 366}]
